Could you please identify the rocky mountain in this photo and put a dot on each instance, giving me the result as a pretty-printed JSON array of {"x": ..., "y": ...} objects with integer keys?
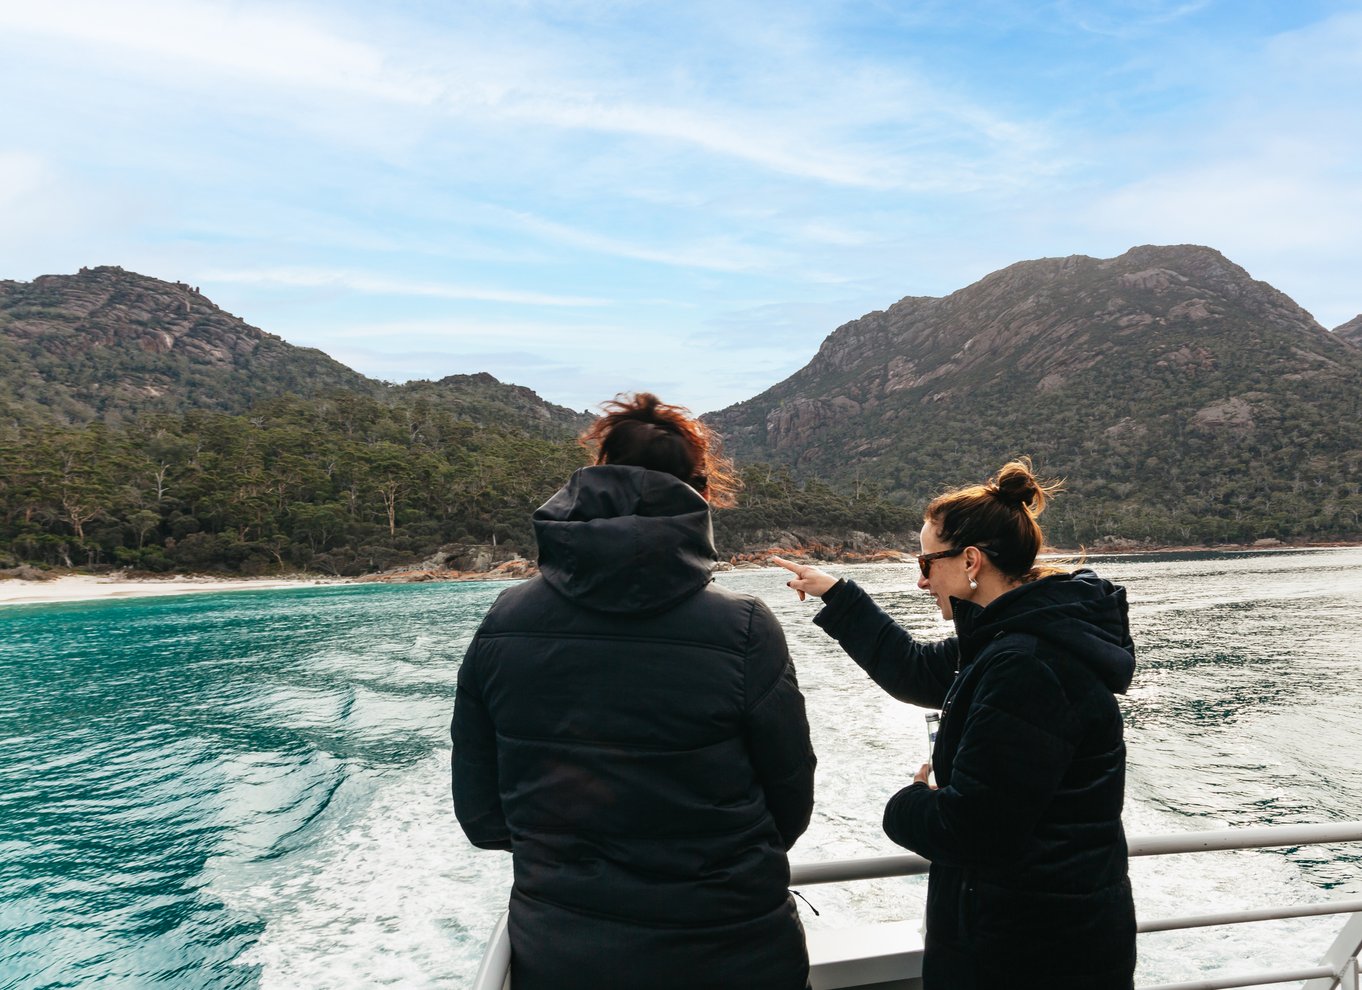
[
  {"x": 106, "y": 344},
  {"x": 109, "y": 345},
  {"x": 1351, "y": 331},
  {"x": 1183, "y": 400}
]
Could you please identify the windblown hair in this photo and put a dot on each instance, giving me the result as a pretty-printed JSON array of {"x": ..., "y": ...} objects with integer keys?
[
  {"x": 643, "y": 431},
  {"x": 1000, "y": 515}
]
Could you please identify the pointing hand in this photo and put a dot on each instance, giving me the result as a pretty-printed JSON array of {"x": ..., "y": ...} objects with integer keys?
[{"x": 807, "y": 578}]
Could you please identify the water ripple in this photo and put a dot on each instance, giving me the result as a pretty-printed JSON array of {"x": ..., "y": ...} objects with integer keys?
[{"x": 226, "y": 791}]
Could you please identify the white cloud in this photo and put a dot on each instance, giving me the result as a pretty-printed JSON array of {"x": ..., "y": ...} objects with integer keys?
[
  {"x": 257, "y": 42},
  {"x": 719, "y": 130},
  {"x": 436, "y": 332},
  {"x": 1246, "y": 204},
  {"x": 1128, "y": 18},
  {"x": 579, "y": 378},
  {"x": 818, "y": 118},
  {"x": 382, "y": 285},
  {"x": 21, "y": 175},
  {"x": 330, "y": 162},
  {"x": 717, "y": 254}
]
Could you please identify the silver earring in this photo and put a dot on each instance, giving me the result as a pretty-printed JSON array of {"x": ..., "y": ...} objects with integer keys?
[{"x": 973, "y": 585}]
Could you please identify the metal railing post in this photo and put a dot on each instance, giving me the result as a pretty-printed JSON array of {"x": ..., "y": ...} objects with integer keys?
[
  {"x": 495, "y": 971},
  {"x": 1348, "y": 976},
  {"x": 1340, "y": 969},
  {"x": 1342, "y": 954}
]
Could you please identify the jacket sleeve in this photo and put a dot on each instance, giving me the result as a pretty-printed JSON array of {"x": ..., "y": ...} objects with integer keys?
[
  {"x": 918, "y": 673},
  {"x": 477, "y": 794},
  {"x": 777, "y": 727},
  {"x": 1014, "y": 750}
]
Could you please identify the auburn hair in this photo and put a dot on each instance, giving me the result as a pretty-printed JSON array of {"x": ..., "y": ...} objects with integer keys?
[
  {"x": 642, "y": 430},
  {"x": 1000, "y": 515}
]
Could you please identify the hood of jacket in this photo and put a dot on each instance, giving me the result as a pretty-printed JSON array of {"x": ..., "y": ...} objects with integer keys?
[
  {"x": 618, "y": 538},
  {"x": 1079, "y": 614}
]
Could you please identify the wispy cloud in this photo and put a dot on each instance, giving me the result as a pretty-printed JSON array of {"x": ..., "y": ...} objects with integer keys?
[
  {"x": 435, "y": 333},
  {"x": 435, "y": 182},
  {"x": 21, "y": 174},
  {"x": 380, "y": 285},
  {"x": 260, "y": 43},
  {"x": 783, "y": 122},
  {"x": 1250, "y": 204},
  {"x": 719, "y": 254},
  {"x": 1128, "y": 18},
  {"x": 717, "y": 130},
  {"x": 1271, "y": 177}
]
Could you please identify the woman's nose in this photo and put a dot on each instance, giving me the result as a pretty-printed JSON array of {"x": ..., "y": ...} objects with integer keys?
[{"x": 922, "y": 582}]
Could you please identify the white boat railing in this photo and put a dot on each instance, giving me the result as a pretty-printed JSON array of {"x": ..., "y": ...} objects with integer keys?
[{"x": 1339, "y": 970}]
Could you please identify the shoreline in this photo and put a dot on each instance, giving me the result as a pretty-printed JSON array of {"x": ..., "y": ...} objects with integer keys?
[
  {"x": 76, "y": 587},
  {"x": 96, "y": 587}
]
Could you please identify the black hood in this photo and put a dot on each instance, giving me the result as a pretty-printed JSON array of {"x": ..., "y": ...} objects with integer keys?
[
  {"x": 1080, "y": 614},
  {"x": 625, "y": 539}
]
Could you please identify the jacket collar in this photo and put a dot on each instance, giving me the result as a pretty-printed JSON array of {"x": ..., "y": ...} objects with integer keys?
[
  {"x": 1079, "y": 614},
  {"x": 617, "y": 538}
]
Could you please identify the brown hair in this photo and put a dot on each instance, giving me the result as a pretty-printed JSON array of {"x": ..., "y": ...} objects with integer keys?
[
  {"x": 1000, "y": 515},
  {"x": 646, "y": 432}
]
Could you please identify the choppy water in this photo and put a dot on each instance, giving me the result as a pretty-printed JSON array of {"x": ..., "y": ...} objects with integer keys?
[{"x": 251, "y": 789}]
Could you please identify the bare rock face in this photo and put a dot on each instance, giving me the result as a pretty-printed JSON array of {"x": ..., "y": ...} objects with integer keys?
[
  {"x": 1233, "y": 414},
  {"x": 461, "y": 562},
  {"x": 1157, "y": 280},
  {"x": 109, "y": 307},
  {"x": 792, "y": 424},
  {"x": 107, "y": 343},
  {"x": 1350, "y": 331},
  {"x": 1189, "y": 359}
]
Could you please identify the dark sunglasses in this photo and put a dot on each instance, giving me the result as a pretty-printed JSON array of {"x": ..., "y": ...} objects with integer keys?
[{"x": 924, "y": 560}]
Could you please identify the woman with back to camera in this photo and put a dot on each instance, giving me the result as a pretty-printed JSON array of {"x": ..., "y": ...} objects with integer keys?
[
  {"x": 1028, "y": 884},
  {"x": 635, "y": 735}
]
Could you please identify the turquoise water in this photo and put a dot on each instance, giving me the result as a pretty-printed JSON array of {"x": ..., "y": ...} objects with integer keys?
[{"x": 251, "y": 789}]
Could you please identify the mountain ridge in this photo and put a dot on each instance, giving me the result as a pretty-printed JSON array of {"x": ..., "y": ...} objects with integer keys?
[
  {"x": 109, "y": 344},
  {"x": 1111, "y": 371},
  {"x": 1185, "y": 401},
  {"x": 1351, "y": 331}
]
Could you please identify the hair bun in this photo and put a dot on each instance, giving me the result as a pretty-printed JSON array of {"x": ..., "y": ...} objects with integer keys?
[{"x": 1016, "y": 486}]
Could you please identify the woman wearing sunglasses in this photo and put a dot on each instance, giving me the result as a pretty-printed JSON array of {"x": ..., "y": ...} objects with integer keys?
[{"x": 1028, "y": 885}]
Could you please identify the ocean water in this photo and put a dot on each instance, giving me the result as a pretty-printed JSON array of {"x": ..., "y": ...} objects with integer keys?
[{"x": 252, "y": 789}]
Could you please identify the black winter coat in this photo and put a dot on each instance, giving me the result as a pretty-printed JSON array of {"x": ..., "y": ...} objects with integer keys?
[
  {"x": 1028, "y": 883},
  {"x": 634, "y": 734}
]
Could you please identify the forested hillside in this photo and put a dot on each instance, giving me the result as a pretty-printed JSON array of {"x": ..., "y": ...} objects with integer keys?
[
  {"x": 343, "y": 485},
  {"x": 346, "y": 485},
  {"x": 143, "y": 427},
  {"x": 1185, "y": 403}
]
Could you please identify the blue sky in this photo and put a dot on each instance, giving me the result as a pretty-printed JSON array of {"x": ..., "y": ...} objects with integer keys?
[{"x": 586, "y": 196}]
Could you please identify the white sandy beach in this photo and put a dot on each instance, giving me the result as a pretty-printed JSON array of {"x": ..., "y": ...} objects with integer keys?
[{"x": 86, "y": 587}]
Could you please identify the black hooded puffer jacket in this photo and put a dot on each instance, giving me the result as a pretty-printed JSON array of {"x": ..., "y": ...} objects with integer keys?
[
  {"x": 634, "y": 734},
  {"x": 1028, "y": 883}
]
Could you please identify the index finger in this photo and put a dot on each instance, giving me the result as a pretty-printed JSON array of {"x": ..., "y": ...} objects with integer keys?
[{"x": 789, "y": 565}]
